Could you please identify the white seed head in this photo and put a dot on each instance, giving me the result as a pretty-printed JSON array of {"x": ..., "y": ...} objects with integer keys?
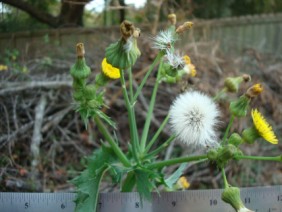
[
  {"x": 164, "y": 40},
  {"x": 175, "y": 60},
  {"x": 193, "y": 116}
]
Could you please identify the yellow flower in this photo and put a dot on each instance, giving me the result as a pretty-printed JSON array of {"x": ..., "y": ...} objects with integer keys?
[
  {"x": 183, "y": 183},
  {"x": 254, "y": 91},
  {"x": 193, "y": 70},
  {"x": 263, "y": 128},
  {"x": 187, "y": 59},
  {"x": 3, "y": 68},
  {"x": 109, "y": 70}
]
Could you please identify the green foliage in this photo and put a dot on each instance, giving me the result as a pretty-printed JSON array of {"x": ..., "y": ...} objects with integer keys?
[
  {"x": 172, "y": 179},
  {"x": 89, "y": 180}
]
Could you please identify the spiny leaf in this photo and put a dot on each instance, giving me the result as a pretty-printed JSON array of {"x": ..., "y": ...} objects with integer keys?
[
  {"x": 88, "y": 182},
  {"x": 172, "y": 179}
]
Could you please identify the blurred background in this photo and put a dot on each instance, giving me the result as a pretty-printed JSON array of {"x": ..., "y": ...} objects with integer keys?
[{"x": 43, "y": 141}]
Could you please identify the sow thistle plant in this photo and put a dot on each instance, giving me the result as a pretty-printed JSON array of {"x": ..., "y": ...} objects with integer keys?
[{"x": 193, "y": 117}]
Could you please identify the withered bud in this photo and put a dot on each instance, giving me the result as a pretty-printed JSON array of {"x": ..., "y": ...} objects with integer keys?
[
  {"x": 246, "y": 77},
  {"x": 182, "y": 28},
  {"x": 172, "y": 18},
  {"x": 80, "y": 52},
  {"x": 254, "y": 91},
  {"x": 127, "y": 29},
  {"x": 137, "y": 33}
]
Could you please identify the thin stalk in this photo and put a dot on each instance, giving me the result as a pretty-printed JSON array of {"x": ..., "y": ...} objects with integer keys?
[
  {"x": 150, "y": 112},
  {"x": 173, "y": 161},
  {"x": 228, "y": 129},
  {"x": 130, "y": 85},
  {"x": 159, "y": 149},
  {"x": 247, "y": 157},
  {"x": 123, "y": 159},
  {"x": 153, "y": 140},
  {"x": 219, "y": 94},
  {"x": 131, "y": 118},
  {"x": 226, "y": 185},
  {"x": 155, "y": 62}
]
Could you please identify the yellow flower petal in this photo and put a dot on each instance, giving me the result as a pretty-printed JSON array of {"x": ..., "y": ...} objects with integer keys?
[
  {"x": 263, "y": 128},
  {"x": 183, "y": 183},
  {"x": 109, "y": 70},
  {"x": 186, "y": 59}
]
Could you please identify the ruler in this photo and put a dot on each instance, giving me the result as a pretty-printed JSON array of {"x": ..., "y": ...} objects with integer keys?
[{"x": 259, "y": 199}]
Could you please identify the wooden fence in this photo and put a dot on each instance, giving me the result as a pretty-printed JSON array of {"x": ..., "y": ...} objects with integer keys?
[{"x": 263, "y": 33}]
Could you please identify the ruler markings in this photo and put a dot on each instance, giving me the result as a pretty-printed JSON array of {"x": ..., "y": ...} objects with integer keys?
[{"x": 259, "y": 199}]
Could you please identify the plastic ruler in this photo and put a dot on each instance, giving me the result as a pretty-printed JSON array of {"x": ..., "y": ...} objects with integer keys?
[{"x": 259, "y": 199}]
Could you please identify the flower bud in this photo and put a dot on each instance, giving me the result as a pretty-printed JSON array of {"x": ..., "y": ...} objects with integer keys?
[
  {"x": 212, "y": 154},
  {"x": 172, "y": 18},
  {"x": 231, "y": 195},
  {"x": 80, "y": 70},
  {"x": 235, "y": 139},
  {"x": 124, "y": 53},
  {"x": 240, "y": 106},
  {"x": 226, "y": 153},
  {"x": 182, "y": 28},
  {"x": 249, "y": 135}
]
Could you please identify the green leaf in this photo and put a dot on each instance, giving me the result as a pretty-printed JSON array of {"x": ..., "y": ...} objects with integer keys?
[
  {"x": 172, "y": 179},
  {"x": 144, "y": 185},
  {"x": 88, "y": 182},
  {"x": 129, "y": 182}
]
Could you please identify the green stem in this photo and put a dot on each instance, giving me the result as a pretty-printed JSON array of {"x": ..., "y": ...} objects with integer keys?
[
  {"x": 139, "y": 89},
  {"x": 247, "y": 157},
  {"x": 159, "y": 149},
  {"x": 226, "y": 185},
  {"x": 153, "y": 140},
  {"x": 130, "y": 85},
  {"x": 112, "y": 142},
  {"x": 228, "y": 129},
  {"x": 150, "y": 112},
  {"x": 173, "y": 161},
  {"x": 131, "y": 117},
  {"x": 219, "y": 94}
]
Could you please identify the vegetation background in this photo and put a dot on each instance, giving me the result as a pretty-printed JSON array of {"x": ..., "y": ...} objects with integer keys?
[{"x": 43, "y": 141}]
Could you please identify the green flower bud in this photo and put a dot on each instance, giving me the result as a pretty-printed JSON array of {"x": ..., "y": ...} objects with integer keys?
[
  {"x": 235, "y": 139},
  {"x": 78, "y": 95},
  {"x": 212, "y": 154},
  {"x": 78, "y": 84},
  {"x": 226, "y": 153},
  {"x": 232, "y": 84},
  {"x": 90, "y": 92},
  {"x": 239, "y": 107},
  {"x": 231, "y": 195},
  {"x": 80, "y": 70},
  {"x": 169, "y": 70},
  {"x": 249, "y": 135},
  {"x": 124, "y": 53},
  {"x": 101, "y": 80}
]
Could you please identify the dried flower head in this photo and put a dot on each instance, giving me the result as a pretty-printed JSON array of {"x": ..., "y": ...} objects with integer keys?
[
  {"x": 182, "y": 28},
  {"x": 172, "y": 18},
  {"x": 254, "y": 91},
  {"x": 164, "y": 40},
  {"x": 193, "y": 116},
  {"x": 264, "y": 129},
  {"x": 110, "y": 71}
]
